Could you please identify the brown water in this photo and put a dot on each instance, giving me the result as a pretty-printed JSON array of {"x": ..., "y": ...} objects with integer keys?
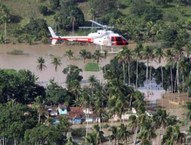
[{"x": 29, "y": 61}]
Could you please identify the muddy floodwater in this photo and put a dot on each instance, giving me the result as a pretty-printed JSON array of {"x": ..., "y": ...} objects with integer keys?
[{"x": 28, "y": 60}]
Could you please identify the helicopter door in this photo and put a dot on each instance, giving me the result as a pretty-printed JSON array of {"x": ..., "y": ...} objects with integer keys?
[{"x": 113, "y": 41}]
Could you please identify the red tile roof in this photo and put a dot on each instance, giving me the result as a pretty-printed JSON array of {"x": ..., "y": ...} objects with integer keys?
[{"x": 76, "y": 112}]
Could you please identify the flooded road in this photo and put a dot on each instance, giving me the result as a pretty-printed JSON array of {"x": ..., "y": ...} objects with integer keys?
[{"x": 28, "y": 60}]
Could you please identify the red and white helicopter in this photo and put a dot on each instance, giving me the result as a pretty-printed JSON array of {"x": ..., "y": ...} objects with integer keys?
[{"x": 102, "y": 37}]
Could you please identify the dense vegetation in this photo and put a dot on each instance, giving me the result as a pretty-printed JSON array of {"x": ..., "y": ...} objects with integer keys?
[
  {"x": 24, "y": 118},
  {"x": 148, "y": 20}
]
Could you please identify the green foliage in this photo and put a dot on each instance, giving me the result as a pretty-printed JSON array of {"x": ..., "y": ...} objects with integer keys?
[
  {"x": 56, "y": 94},
  {"x": 85, "y": 54},
  {"x": 69, "y": 17},
  {"x": 43, "y": 134},
  {"x": 79, "y": 132},
  {"x": 56, "y": 61},
  {"x": 44, "y": 10},
  {"x": 153, "y": 14},
  {"x": 103, "y": 7},
  {"x": 73, "y": 78},
  {"x": 19, "y": 85},
  {"x": 114, "y": 70},
  {"x": 69, "y": 54},
  {"x": 141, "y": 8},
  {"x": 2, "y": 39},
  {"x": 41, "y": 63},
  {"x": 15, "y": 119},
  {"x": 162, "y": 2},
  {"x": 169, "y": 35},
  {"x": 37, "y": 28},
  {"x": 54, "y": 4},
  {"x": 138, "y": 7},
  {"x": 185, "y": 2}
]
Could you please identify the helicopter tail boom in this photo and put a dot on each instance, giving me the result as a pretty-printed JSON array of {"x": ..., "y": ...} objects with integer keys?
[{"x": 54, "y": 37}]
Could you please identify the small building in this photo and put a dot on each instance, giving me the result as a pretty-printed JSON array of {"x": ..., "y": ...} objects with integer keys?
[
  {"x": 76, "y": 115},
  {"x": 62, "y": 110},
  {"x": 53, "y": 113}
]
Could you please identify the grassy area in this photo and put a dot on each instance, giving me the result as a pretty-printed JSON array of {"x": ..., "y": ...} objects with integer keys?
[{"x": 91, "y": 67}]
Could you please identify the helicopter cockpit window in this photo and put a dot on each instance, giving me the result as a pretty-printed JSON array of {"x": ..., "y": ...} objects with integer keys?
[{"x": 119, "y": 39}]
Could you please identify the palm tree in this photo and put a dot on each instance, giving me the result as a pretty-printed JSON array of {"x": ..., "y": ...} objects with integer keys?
[
  {"x": 114, "y": 134},
  {"x": 39, "y": 107},
  {"x": 188, "y": 106},
  {"x": 97, "y": 55},
  {"x": 148, "y": 55},
  {"x": 134, "y": 124},
  {"x": 83, "y": 54},
  {"x": 90, "y": 139},
  {"x": 161, "y": 118},
  {"x": 123, "y": 133},
  {"x": 159, "y": 54},
  {"x": 116, "y": 105},
  {"x": 105, "y": 53},
  {"x": 170, "y": 60},
  {"x": 178, "y": 51},
  {"x": 99, "y": 134},
  {"x": 99, "y": 98},
  {"x": 70, "y": 141},
  {"x": 4, "y": 18},
  {"x": 93, "y": 81},
  {"x": 137, "y": 53},
  {"x": 56, "y": 61},
  {"x": 92, "y": 13},
  {"x": 41, "y": 63},
  {"x": 147, "y": 130},
  {"x": 139, "y": 103},
  {"x": 173, "y": 136},
  {"x": 125, "y": 57},
  {"x": 69, "y": 54},
  {"x": 188, "y": 50}
]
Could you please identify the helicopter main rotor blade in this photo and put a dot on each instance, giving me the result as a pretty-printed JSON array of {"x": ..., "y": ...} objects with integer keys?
[
  {"x": 97, "y": 23},
  {"x": 103, "y": 26},
  {"x": 88, "y": 27}
]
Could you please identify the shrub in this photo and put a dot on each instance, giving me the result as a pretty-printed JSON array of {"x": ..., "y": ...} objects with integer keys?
[{"x": 79, "y": 132}]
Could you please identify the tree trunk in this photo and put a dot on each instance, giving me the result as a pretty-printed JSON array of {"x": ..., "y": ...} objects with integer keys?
[
  {"x": 15, "y": 142},
  {"x": 124, "y": 74},
  {"x": 171, "y": 79},
  {"x": 73, "y": 23},
  {"x": 3, "y": 140},
  {"x": 137, "y": 76},
  {"x": 147, "y": 69},
  {"x": 162, "y": 75},
  {"x": 129, "y": 75},
  {"x": 5, "y": 33},
  {"x": 39, "y": 119},
  {"x": 177, "y": 76},
  {"x": 135, "y": 137},
  {"x": 150, "y": 78},
  {"x": 130, "y": 103}
]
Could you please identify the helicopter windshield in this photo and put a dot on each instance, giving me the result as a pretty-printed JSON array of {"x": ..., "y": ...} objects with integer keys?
[{"x": 118, "y": 40}]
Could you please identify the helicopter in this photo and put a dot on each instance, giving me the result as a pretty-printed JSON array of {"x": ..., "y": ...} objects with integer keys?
[{"x": 103, "y": 37}]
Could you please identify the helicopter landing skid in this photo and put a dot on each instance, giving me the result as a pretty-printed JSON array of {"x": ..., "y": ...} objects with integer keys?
[{"x": 111, "y": 52}]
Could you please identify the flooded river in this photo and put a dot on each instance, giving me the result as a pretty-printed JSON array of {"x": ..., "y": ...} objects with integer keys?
[{"x": 31, "y": 53}]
